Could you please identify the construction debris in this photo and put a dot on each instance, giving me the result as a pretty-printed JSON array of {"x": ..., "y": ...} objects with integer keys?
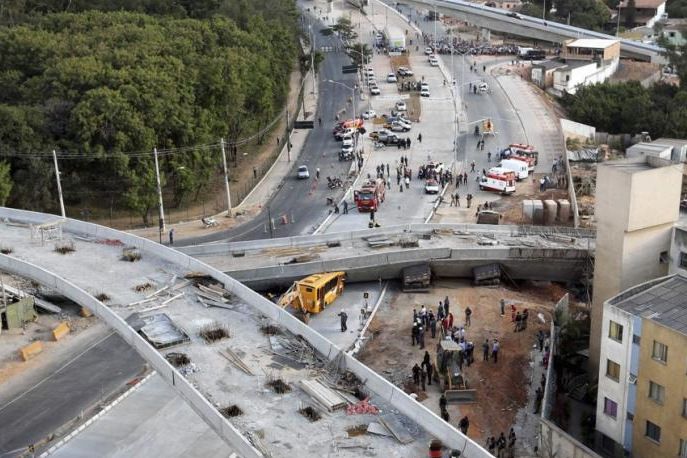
[
  {"x": 394, "y": 425},
  {"x": 362, "y": 408},
  {"x": 357, "y": 430},
  {"x": 177, "y": 359},
  {"x": 295, "y": 351},
  {"x": 214, "y": 332},
  {"x": 378, "y": 429},
  {"x": 279, "y": 386},
  {"x": 234, "y": 359},
  {"x": 160, "y": 330},
  {"x": 310, "y": 413},
  {"x": 231, "y": 411},
  {"x": 328, "y": 398}
]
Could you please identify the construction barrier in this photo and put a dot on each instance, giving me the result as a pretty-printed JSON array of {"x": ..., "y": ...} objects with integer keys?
[
  {"x": 31, "y": 350},
  {"x": 60, "y": 330}
]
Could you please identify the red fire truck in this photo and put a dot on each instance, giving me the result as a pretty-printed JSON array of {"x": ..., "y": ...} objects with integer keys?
[
  {"x": 498, "y": 179},
  {"x": 370, "y": 195},
  {"x": 527, "y": 151}
]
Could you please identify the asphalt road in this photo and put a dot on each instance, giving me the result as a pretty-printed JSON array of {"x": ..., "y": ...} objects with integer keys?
[
  {"x": 302, "y": 200},
  {"x": 64, "y": 391}
]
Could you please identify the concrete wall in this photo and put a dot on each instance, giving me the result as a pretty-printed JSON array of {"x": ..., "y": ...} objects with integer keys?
[
  {"x": 571, "y": 79},
  {"x": 671, "y": 375},
  {"x": 678, "y": 248},
  {"x": 450, "y": 436},
  {"x": 554, "y": 442},
  {"x": 577, "y": 130}
]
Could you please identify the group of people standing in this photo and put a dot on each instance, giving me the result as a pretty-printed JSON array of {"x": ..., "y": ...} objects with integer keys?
[{"x": 502, "y": 447}]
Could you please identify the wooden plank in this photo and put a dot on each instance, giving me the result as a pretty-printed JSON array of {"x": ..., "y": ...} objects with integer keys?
[{"x": 328, "y": 398}]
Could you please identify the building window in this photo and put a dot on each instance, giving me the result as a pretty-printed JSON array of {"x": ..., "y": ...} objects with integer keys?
[
  {"x": 610, "y": 408},
  {"x": 636, "y": 339},
  {"x": 657, "y": 392},
  {"x": 615, "y": 331},
  {"x": 659, "y": 352},
  {"x": 612, "y": 370},
  {"x": 653, "y": 431},
  {"x": 682, "y": 453},
  {"x": 630, "y": 416},
  {"x": 683, "y": 260}
]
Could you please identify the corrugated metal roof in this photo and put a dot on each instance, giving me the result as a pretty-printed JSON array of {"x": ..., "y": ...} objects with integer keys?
[{"x": 665, "y": 303}]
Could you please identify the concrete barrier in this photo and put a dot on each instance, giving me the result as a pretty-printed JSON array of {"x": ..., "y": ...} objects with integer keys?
[
  {"x": 397, "y": 398},
  {"x": 60, "y": 331},
  {"x": 29, "y": 351}
]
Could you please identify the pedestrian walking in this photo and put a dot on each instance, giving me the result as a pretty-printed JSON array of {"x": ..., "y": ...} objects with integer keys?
[
  {"x": 171, "y": 236},
  {"x": 450, "y": 320},
  {"x": 540, "y": 340},
  {"x": 501, "y": 445},
  {"x": 502, "y": 303},
  {"x": 465, "y": 178},
  {"x": 421, "y": 337},
  {"x": 472, "y": 166},
  {"x": 416, "y": 374},
  {"x": 432, "y": 324},
  {"x": 518, "y": 320},
  {"x": 445, "y": 416},
  {"x": 443, "y": 402},
  {"x": 464, "y": 424},
  {"x": 457, "y": 199},
  {"x": 387, "y": 169},
  {"x": 343, "y": 317},
  {"x": 407, "y": 182},
  {"x": 525, "y": 315},
  {"x": 419, "y": 138},
  {"x": 495, "y": 347},
  {"x": 413, "y": 333},
  {"x": 469, "y": 198},
  {"x": 511, "y": 443},
  {"x": 491, "y": 444},
  {"x": 430, "y": 372},
  {"x": 319, "y": 120},
  {"x": 423, "y": 379},
  {"x": 489, "y": 156},
  {"x": 317, "y": 173},
  {"x": 468, "y": 314},
  {"x": 485, "y": 350},
  {"x": 345, "y": 207}
]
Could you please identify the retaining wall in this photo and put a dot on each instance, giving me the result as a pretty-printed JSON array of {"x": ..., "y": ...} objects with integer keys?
[{"x": 433, "y": 424}]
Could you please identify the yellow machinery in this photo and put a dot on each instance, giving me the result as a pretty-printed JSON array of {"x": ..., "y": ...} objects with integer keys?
[{"x": 314, "y": 293}]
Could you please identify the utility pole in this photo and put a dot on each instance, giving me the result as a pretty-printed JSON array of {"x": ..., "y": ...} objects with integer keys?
[
  {"x": 226, "y": 177},
  {"x": 59, "y": 184},
  {"x": 288, "y": 140},
  {"x": 159, "y": 194}
]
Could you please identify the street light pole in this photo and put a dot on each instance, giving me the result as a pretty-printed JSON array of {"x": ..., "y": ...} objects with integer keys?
[
  {"x": 59, "y": 184},
  {"x": 226, "y": 177},
  {"x": 159, "y": 194}
]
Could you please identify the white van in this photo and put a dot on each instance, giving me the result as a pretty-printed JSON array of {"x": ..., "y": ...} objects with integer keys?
[{"x": 519, "y": 167}]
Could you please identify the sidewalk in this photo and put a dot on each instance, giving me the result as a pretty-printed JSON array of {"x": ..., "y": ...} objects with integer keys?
[{"x": 251, "y": 205}]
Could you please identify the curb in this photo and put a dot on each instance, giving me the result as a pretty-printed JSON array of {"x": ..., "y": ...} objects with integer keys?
[{"x": 95, "y": 417}]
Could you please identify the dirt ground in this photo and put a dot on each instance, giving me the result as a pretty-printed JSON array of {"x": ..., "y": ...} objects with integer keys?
[
  {"x": 511, "y": 207},
  {"x": 501, "y": 387}
]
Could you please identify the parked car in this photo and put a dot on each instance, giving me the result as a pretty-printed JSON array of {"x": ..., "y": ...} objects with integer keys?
[
  {"x": 397, "y": 127},
  {"x": 429, "y": 51},
  {"x": 339, "y": 135},
  {"x": 424, "y": 92},
  {"x": 347, "y": 149},
  {"x": 391, "y": 78},
  {"x": 434, "y": 62},
  {"x": 369, "y": 114},
  {"x": 303, "y": 172},
  {"x": 374, "y": 90},
  {"x": 375, "y": 134},
  {"x": 401, "y": 106},
  {"x": 347, "y": 140},
  {"x": 431, "y": 186},
  {"x": 514, "y": 15}
]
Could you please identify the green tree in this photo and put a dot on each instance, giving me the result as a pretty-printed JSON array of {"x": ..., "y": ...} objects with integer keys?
[
  {"x": 5, "y": 182},
  {"x": 357, "y": 51},
  {"x": 630, "y": 14},
  {"x": 345, "y": 29}
]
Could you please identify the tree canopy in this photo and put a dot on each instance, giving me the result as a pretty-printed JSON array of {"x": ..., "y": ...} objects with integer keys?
[{"x": 102, "y": 79}]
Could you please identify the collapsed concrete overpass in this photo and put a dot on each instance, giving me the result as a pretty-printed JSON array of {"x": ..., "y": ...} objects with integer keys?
[
  {"x": 526, "y": 26},
  {"x": 452, "y": 250}
]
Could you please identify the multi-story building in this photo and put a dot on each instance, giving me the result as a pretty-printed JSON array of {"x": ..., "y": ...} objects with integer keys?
[
  {"x": 587, "y": 61},
  {"x": 636, "y": 209},
  {"x": 642, "y": 391}
]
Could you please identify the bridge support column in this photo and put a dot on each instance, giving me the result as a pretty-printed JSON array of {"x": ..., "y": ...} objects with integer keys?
[{"x": 485, "y": 34}]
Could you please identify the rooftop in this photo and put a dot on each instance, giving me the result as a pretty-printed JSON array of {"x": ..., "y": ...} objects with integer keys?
[
  {"x": 643, "y": 3},
  {"x": 549, "y": 64},
  {"x": 663, "y": 301},
  {"x": 593, "y": 43}
]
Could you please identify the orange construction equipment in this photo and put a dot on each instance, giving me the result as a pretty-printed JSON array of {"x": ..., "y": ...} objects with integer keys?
[
  {"x": 370, "y": 195},
  {"x": 353, "y": 123}
]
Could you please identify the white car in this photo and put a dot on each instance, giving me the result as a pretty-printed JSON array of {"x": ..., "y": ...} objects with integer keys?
[
  {"x": 401, "y": 106},
  {"x": 369, "y": 114},
  {"x": 391, "y": 78},
  {"x": 374, "y": 90},
  {"x": 369, "y": 71},
  {"x": 431, "y": 186},
  {"x": 429, "y": 51},
  {"x": 424, "y": 92},
  {"x": 371, "y": 80},
  {"x": 434, "y": 62},
  {"x": 303, "y": 172},
  {"x": 347, "y": 140},
  {"x": 402, "y": 122},
  {"x": 347, "y": 149}
]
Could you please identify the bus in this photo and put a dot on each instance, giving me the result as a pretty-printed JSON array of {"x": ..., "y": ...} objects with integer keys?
[{"x": 314, "y": 293}]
